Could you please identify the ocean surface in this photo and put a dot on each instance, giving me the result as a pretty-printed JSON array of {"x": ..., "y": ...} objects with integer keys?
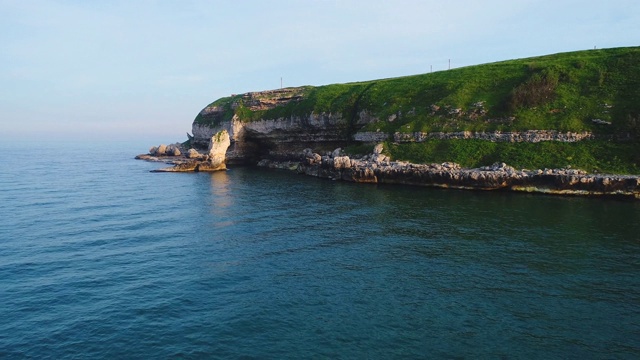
[{"x": 101, "y": 259}]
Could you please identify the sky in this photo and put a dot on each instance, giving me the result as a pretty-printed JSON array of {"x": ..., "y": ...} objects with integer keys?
[{"x": 143, "y": 69}]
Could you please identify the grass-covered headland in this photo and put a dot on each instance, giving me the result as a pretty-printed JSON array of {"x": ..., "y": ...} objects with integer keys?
[{"x": 597, "y": 91}]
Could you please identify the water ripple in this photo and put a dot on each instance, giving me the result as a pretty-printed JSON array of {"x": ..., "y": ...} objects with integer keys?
[{"x": 111, "y": 261}]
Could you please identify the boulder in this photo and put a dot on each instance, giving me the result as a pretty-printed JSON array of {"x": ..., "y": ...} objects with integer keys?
[
  {"x": 341, "y": 162},
  {"x": 193, "y": 154},
  {"x": 161, "y": 150},
  {"x": 173, "y": 150}
]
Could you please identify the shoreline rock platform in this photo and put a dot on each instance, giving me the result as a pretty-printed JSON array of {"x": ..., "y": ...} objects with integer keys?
[
  {"x": 191, "y": 160},
  {"x": 376, "y": 168}
]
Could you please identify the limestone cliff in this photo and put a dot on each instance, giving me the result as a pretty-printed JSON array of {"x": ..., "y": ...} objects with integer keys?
[
  {"x": 585, "y": 97},
  {"x": 573, "y": 111},
  {"x": 252, "y": 139}
]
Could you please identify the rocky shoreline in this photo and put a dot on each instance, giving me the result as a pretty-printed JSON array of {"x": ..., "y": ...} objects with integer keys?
[
  {"x": 191, "y": 160},
  {"x": 378, "y": 169}
]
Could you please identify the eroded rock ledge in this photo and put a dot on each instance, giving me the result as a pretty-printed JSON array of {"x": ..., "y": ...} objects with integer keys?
[
  {"x": 531, "y": 136},
  {"x": 376, "y": 168},
  {"x": 192, "y": 160}
]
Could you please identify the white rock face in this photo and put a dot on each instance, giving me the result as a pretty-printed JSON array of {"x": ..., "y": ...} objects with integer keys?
[
  {"x": 234, "y": 128},
  {"x": 218, "y": 146}
]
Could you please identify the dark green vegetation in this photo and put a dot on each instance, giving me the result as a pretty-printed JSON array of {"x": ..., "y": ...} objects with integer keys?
[
  {"x": 591, "y": 155},
  {"x": 564, "y": 92}
]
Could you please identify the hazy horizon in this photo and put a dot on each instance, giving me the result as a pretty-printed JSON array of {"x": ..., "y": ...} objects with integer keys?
[{"x": 127, "y": 70}]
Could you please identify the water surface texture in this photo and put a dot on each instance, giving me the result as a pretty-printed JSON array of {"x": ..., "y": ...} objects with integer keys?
[{"x": 101, "y": 259}]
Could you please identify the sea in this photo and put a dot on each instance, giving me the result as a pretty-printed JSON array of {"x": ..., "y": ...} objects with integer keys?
[{"x": 102, "y": 259}]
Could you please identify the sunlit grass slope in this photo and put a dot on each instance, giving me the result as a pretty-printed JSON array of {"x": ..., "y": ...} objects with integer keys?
[{"x": 593, "y": 90}]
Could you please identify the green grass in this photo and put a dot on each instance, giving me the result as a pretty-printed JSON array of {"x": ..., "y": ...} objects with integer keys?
[
  {"x": 563, "y": 92},
  {"x": 596, "y": 155}
]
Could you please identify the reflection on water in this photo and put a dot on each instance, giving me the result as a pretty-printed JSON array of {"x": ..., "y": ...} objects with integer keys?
[{"x": 221, "y": 196}]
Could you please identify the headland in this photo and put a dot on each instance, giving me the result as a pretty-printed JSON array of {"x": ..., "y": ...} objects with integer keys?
[{"x": 565, "y": 124}]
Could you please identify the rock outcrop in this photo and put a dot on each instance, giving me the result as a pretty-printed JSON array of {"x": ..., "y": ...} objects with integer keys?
[
  {"x": 250, "y": 138},
  {"x": 218, "y": 146},
  {"x": 193, "y": 161},
  {"x": 376, "y": 168},
  {"x": 162, "y": 153},
  {"x": 533, "y": 136},
  {"x": 193, "y": 154}
]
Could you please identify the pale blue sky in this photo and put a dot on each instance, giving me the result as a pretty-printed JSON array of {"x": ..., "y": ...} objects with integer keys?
[{"x": 122, "y": 69}]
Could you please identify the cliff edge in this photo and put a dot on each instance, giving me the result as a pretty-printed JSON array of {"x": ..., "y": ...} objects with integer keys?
[{"x": 577, "y": 111}]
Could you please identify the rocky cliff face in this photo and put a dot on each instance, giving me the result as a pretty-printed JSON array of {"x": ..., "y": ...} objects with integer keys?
[
  {"x": 287, "y": 143},
  {"x": 250, "y": 140},
  {"x": 255, "y": 139}
]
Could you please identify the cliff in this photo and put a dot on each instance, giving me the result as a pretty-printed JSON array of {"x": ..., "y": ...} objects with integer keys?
[
  {"x": 578, "y": 110},
  {"x": 253, "y": 139}
]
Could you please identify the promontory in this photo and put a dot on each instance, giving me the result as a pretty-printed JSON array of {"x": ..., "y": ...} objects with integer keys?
[{"x": 565, "y": 123}]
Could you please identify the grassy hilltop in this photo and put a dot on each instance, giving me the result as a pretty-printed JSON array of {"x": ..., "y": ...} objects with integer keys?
[{"x": 594, "y": 90}]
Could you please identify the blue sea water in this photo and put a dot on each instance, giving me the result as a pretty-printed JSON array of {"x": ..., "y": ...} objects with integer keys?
[{"x": 99, "y": 258}]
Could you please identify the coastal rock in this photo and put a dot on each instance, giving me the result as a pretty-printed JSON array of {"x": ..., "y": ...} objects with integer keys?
[
  {"x": 218, "y": 146},
  {"x": 498, "y": 176},
  {"x": 193, "y": 161},
  {"x": 161, "y": 150},
  {"x": 187, "y": 166},
  {"x": 166, "y": 150},
  {"x": 341, "y": 162},
  {"x": 193, "y": 154},
  {"x": 173, "y": 150}
]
